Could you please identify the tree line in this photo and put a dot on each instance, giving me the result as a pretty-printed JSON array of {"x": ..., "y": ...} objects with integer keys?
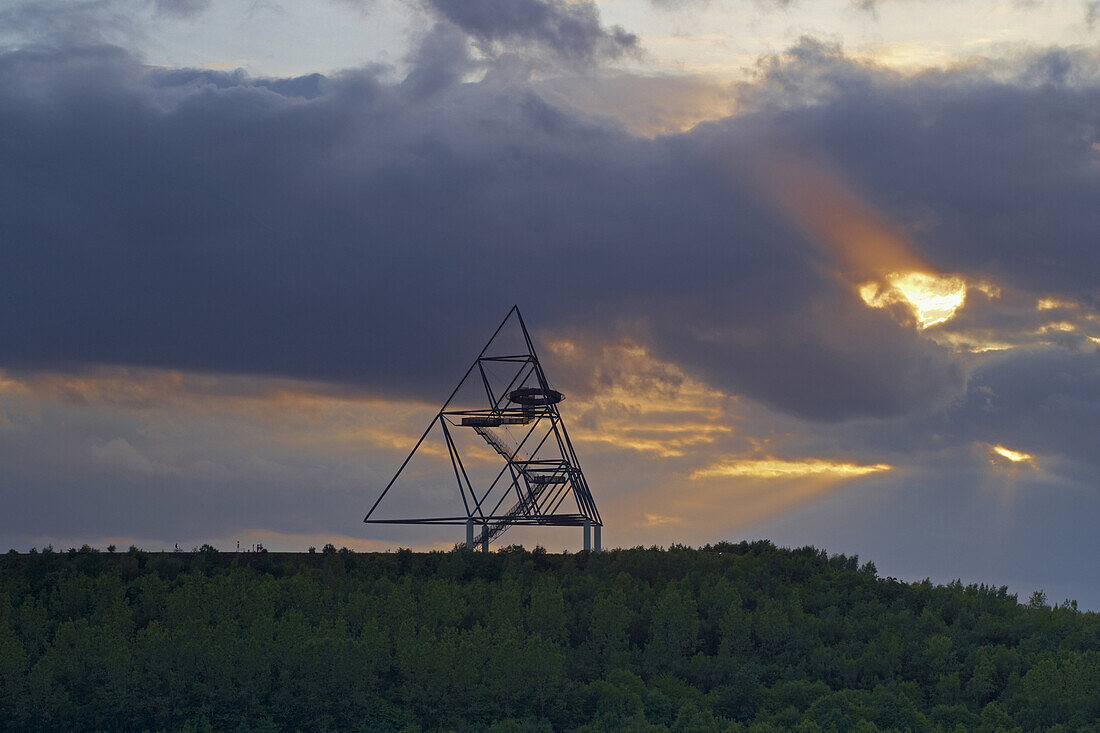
[{"x": 728, "y": 637}]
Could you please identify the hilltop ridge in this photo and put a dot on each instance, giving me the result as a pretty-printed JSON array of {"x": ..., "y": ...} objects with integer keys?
[{"x": 728, "y": 637}]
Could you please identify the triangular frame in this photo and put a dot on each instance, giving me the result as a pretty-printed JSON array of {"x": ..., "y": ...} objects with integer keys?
[{"x": 529, "y": 490}]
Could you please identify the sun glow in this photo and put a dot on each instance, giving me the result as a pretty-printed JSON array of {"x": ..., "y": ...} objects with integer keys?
[
  {"x": 777, "y": 468},
  {"x": 931, "y": 298},
  {"x": 974, "y": 341},
  {"x": 1013, "y": 455},
  {"x": 1057, "y": 326},
  {"x": 656, "y": 520},
  {"x": 1046, "y": 304}
]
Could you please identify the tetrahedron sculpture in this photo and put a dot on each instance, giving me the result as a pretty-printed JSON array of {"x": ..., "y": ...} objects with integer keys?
[{"x": 504, "y": 415}]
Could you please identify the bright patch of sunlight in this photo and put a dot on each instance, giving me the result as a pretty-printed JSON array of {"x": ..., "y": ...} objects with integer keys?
[
  {"x": 1013, "y": 455},
  {"x": 778, "y": 468},
  {"x": 931, "y": 298}
]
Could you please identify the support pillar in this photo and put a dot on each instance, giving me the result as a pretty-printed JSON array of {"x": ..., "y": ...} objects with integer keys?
[
  {"x": 587, "y": 534},
  {"x": 485, "y": 544},
  {"x": 469, "y": 534},
  {"x": 596, "y": 537}
]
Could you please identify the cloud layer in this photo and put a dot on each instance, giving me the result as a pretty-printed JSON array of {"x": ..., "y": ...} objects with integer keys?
[
  {"x": 350, "y": 229},
  {"x": 698, "y": 292}
]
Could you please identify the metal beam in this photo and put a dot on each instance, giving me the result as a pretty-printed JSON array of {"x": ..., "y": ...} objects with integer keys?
[{"x": 539, "y": 484}]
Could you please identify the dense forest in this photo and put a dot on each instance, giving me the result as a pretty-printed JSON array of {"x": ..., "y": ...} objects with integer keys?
[{"x": 731, "y": 637}]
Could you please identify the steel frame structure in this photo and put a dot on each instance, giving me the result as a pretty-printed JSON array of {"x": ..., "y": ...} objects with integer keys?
[{"x": 537, "y": 486}]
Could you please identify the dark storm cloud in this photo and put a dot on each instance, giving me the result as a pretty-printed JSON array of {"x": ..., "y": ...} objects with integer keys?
[
  {"x": 989, "y": 175},
  {"x": 439, "y": 61},
  {"x": 861, "y": 364},
  {"x": 1045, "y": 402},
  {"x": 569, "y": 30},
  {"x": 350, "y": 229}
]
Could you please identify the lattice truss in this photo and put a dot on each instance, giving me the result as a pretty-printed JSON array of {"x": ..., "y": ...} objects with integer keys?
[{"x": 509, "y": 452}]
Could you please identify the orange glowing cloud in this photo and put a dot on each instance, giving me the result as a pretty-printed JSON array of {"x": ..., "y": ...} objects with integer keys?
[
  {"x": 1015, "y": 457},
  {"x": 833, "y": 216},
  {"x": 732, "y": 493},
  {"x": 638, "y": 402},
  {"x": 297, "y": 415},
  {"x": 656, "y": 520},
  {"x": 1051, "y": 303},
  {"x": 931, "y": 298},
  {"x": 774, "y": 468},
  {"x": 870, "y": 254}
]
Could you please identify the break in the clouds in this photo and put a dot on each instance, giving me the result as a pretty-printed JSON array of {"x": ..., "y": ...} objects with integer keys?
[{"x": 849, "y": 280}]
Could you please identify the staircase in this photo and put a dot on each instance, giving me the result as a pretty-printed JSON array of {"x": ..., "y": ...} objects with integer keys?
[
  {"x": 538, "y": 483},
  {"x": 495, "y": 442},
  {"x": 492, "y": 531}
]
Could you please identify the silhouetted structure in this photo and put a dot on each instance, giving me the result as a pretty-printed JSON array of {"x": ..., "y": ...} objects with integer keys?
[{"x": 540, "y": 481}]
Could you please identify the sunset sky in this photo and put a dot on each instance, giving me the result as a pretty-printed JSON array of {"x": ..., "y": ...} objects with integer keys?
[{"x": 825, "y": 272}]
